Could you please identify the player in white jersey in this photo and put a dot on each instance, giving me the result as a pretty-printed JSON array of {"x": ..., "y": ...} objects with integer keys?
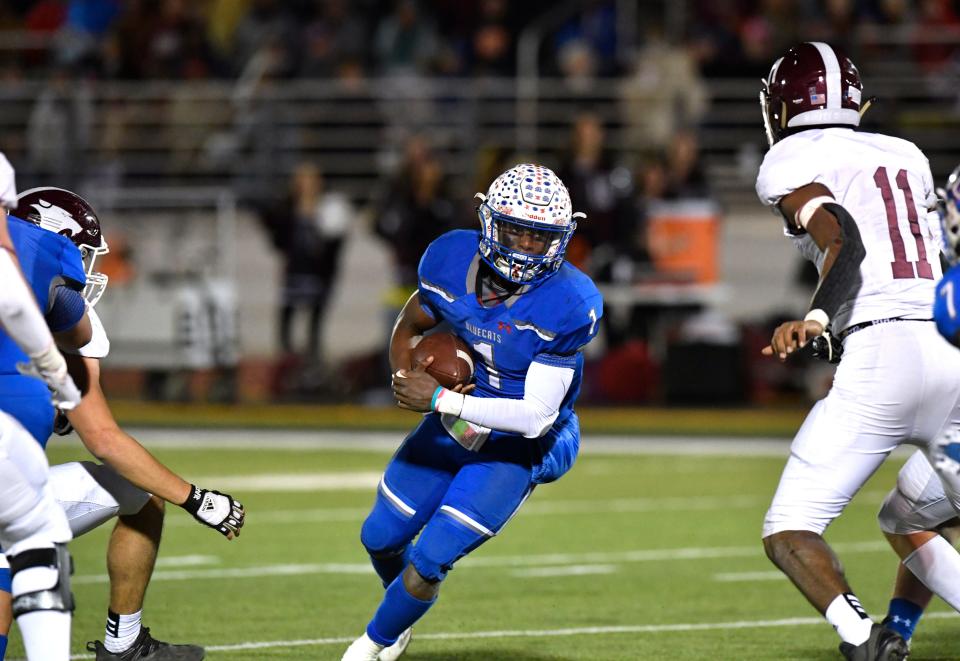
[
  {"x": 861, "y": 206},
  {"x": 917, "y": 517}
]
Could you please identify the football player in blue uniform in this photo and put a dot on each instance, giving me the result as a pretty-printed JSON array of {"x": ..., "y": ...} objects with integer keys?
[
  {"x": 33, "y": 528},
  {"x": 917, "y": 517},
  {"x": 131, "y": 484},
  {"x": 466, "y": 469}
]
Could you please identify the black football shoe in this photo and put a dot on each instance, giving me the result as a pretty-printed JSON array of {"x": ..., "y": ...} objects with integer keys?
[
  {"x": 146, "y": 648},
  {"x": 883, "y": 645}
]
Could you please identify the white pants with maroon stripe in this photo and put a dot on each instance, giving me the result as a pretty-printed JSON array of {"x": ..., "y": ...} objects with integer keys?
[{"x": 897, "y": 383}]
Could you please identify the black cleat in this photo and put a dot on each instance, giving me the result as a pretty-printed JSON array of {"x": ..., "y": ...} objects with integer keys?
[
  {"x": 883, "y": 645},
  {"x": 146, "y": 648}
]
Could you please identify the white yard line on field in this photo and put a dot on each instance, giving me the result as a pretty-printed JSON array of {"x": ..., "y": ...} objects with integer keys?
[
  {"x": 187, "y": 560},
  {"x": 567, "y": 570},
  {"x": 289, "y": 482},
  {"x": 546, "y": 633},
  {"x": 270, "y": 440},
  {"x": 746, "y": 576},
  {"x": 543, "y": 507},
  {"x": 508, "y": 561}
]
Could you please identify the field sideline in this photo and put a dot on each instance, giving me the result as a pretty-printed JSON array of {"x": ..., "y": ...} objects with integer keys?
[{"x": 648, "y": 549}]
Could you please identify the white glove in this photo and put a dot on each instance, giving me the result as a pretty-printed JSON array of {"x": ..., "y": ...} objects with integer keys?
[
  {"x": 216, "y": 510},
  {"x": 50, "y": 367}
]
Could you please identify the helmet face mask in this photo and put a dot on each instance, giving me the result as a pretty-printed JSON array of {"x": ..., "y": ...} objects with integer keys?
[
  {"x": 949, "y": 204},
  {"x": 526, "y": 222},
  {"x": 63, "y": 212},
  {"x": 812, "y": 85}
]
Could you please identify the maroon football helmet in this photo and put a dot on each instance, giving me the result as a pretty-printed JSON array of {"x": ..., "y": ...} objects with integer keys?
[
  {"x": 67, "y": 213},
  {"x": 813, "y": 84}
]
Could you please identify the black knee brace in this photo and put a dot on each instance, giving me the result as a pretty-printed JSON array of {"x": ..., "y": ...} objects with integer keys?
[{"x": 57, "y": 598}]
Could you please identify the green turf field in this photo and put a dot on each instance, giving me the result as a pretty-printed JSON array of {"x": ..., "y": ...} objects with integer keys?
[{"x": 627, "y": 557}]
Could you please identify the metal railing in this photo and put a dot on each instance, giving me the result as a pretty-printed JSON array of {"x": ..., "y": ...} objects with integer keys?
[{"x": 109, "y": 135}]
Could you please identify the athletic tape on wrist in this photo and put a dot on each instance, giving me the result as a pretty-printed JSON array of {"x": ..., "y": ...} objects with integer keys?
[
  {"x": 818, "y": 316},
  {"x": 447, "y": 401}
]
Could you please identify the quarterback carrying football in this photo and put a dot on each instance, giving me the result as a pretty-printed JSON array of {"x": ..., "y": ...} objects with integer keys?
[{"x": 475, "y": 458}]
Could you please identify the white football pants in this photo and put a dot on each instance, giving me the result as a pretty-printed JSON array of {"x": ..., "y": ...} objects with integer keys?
[{"x": 897, "y": 383}]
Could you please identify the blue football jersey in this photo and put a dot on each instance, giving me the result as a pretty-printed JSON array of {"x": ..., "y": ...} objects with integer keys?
[
  {"x": 946, "y": 305},
  {"x": 548, "y": 323},
  {"x": 47, "y": 260}
]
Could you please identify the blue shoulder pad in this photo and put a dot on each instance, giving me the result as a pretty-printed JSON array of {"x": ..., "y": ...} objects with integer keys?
[
  {"x": 442, "y": 274},
  {"x": 584, "y": 309},
  {"x": 71, "y": 264},
  {"x": 947, "y": 304},
  {"x": 47, "y": 259}
]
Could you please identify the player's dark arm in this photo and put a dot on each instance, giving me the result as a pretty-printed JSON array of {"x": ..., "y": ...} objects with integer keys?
[
  {"x": 812, "y": 208},
  {"x": 836, "y": 234},
  {"x": 412, "y": 321}
]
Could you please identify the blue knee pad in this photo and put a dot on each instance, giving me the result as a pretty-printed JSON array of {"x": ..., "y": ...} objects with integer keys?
[
  {"x": 443, "y": 542},
  {"x": 385, "y": 531}
]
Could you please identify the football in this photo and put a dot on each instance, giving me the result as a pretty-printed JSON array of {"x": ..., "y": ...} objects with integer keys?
[{"x": 452, "y": 361}]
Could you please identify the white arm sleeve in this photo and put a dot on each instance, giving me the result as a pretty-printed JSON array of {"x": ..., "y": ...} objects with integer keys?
[
  {"x": 544, "y": 390},
  {"x": 19, "y": 313}
]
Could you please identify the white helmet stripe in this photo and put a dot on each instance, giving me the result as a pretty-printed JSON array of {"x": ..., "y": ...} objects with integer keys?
[
  {"x": 772, "y": 76},
  {"x": 832, "y": 66}
]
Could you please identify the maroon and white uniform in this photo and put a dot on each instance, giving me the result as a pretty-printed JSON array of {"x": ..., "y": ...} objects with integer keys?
[{"x": 897, "y": 382}]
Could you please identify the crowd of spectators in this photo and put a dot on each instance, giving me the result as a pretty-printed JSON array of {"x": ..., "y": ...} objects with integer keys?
[
  {"x": 189, "y": 39},
  {"x": 654, "y": 54}
]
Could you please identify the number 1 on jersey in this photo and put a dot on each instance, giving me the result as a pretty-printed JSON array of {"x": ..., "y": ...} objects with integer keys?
[
  {"x": 901, "y": 267},
  {"x": 947, "y": 292},
  {"x": 485, "y": 349}
]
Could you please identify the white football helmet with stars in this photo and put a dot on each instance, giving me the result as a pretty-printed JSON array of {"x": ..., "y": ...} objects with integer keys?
[{"x": 527, "y": 200}]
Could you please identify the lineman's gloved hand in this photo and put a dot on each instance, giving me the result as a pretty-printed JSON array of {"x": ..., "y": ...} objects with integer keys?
[
  {"x": 216, "y": 510},
  {"x": 50, "y": 367}
]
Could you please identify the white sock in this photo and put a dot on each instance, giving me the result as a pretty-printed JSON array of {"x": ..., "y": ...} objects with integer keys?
[
  {"x": 122, "y": 631},
  {"x": 849, "y": 619},
  {"x": 46, "y": 634},
  {"x": 937, "y": 565}
]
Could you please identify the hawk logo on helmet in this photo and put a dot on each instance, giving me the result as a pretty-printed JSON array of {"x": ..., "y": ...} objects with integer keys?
[
  {"x": 56, "y": 220},
  {"x": 63, "y": 212}
]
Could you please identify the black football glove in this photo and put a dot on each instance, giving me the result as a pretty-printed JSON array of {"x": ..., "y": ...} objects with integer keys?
[
  {"x": 216, "y": 510},
  {"x": 827, "y": 347},
  {"x": 61, "y": 424}
]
